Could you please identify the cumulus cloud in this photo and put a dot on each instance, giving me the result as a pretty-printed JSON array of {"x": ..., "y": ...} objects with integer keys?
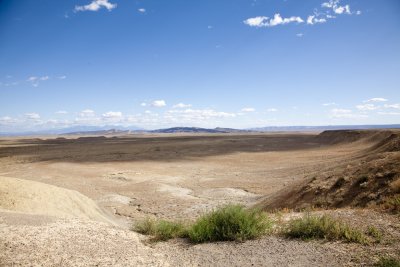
[
  {"x": 256, "y": 21},
  {"x": 376, "y": 99},
  {"x": 272, "y": 110},
  {"x": 143, "y": 104},
  {"x": 7, "y": 120},
  {"x": 142, "y": 10},
  {"x": 61, "y": 112},
  {"x": 395, "y": 106},
  {"x": 96, "y": 5},
  {"x": 35, "y": 80},
  {"x": 271, "y": 22},
  {"x": 331, "y": 9},
  {"x": 335, "y": 6},
  {"x": 87, "y": 113},
  {"x": 388, "y": 113},
  {"x": 182, "y": 105},
  {"x": 196, "y": 115},
  {"x": 32, "y": 116},
  {"x": 159, "y": 103},
  {"x": 346, "y": 114},
  {"x": 311, "y": 20},
  {"x": 367, "y": 107},
  {"x": 299, "y": 34},
  {"x": 112, "y": 115},
  {"x": 248, "y": 109}
]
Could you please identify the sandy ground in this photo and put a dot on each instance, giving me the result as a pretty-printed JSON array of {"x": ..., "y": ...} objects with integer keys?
[{"x": 175, "y": 177}]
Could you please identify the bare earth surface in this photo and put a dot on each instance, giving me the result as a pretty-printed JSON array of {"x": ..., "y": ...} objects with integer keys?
[{"x": 70, "y": 202}]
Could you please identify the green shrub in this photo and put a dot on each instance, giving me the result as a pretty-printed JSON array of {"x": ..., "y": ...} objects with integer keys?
[
  {"x": 375, "y": 233},
  {"x": 388, "y": 262},
  {"x": 166, "y": 230},
  {"x": 323, "y": 227},
  {"x": 232, "y": 222},
  {"x": 160, "y": 230},
  {"x": 392, "y": 204},
  {"x": 145, "y": 227}
]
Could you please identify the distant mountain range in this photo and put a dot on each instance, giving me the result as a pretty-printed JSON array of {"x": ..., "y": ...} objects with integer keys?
[
  {"x": 198, "y": 130},
  {"x": 118, "y": 130}
]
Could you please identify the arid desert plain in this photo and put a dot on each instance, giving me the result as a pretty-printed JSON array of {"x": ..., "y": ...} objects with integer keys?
[{"x": 72, "y": 200}]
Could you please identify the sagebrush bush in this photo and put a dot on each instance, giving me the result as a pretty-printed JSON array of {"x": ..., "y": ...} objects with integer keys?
[
  {"x": 323, "y": 227},
  {"x": 166, "y": 230},
  {"x": 375, "y": 233},
  {"x": 161, "y": 230},
  {"x": 392, "y": 204},
  {"x": 146, "y": 226},
  {"x": 232, "y": 222},
  {"x": 388, "y": 262}
]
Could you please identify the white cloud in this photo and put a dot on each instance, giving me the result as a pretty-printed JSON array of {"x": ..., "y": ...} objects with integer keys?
[
  {"x": 182, "y": 105},
  {"x": 329, "y": 104},
  {"x": 271, "y": 22},
  {"x": 366, "y": 107},
  {"x": 311, "y": 20},
  {"x": 389, "y": 113},
  {"x": 346, "y": 114},
  {"x": 32, "y": 116},
  {"x": 142, "y": 10},
  {"x": 256, "y": 21},
  {"x": 395, "y": 106},
  {"x": 61, "y": 112},
  {"x": 7, "y": 120},
  {"x": 299, "y": 34},
  {"x": 112, "y": 115},
  {"x": 143, "y": 104},
  {"x": 195, "y": 115},
  {"x": 96, "y": 5},
  {"x": 336, "y": 7},
  {"x": 272, "y": 110},
  {"x": 87, "y": 113},
  {"x": 376, "y": 99},
  {"x": 158, "y": 103},
  {"x": 62, "y": 77},
  {"x": 358, "y": 12},
  {"x": 248, "y": 109},
  {"x": 147, "y": 112},
  {"x": 34, "y": 80}
]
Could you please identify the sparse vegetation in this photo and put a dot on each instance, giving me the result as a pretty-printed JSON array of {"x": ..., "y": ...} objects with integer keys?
[
  {"x": 145, "y": 227},
  {"x": 323, "y": 227},
  {"x": 161, "y": 230},
  {"x": 375, "y": 233},
  {"x": 388, "y": 262},
  {"x": 232, "y": 222},
  {"x": 395, "y": 185},
  {"x": 392, "y": 204}
]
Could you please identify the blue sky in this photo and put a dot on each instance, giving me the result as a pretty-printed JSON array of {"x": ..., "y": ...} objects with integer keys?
[{"x": 153, "y": 64}]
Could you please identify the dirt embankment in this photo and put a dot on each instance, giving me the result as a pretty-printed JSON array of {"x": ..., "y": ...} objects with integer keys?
[
  {"x": 29, "y": 197},
  {"x": 367, "y": 179}
]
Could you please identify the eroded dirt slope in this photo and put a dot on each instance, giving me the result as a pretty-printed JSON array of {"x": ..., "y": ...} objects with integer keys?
[{"x": 368, "y": 178}]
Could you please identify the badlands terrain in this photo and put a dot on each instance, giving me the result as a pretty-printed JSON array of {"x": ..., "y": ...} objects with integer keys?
[{"x": 71, "y": 201}]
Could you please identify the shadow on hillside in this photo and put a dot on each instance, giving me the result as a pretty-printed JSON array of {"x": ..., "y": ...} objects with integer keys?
[{"x": 168, "y": 148}]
